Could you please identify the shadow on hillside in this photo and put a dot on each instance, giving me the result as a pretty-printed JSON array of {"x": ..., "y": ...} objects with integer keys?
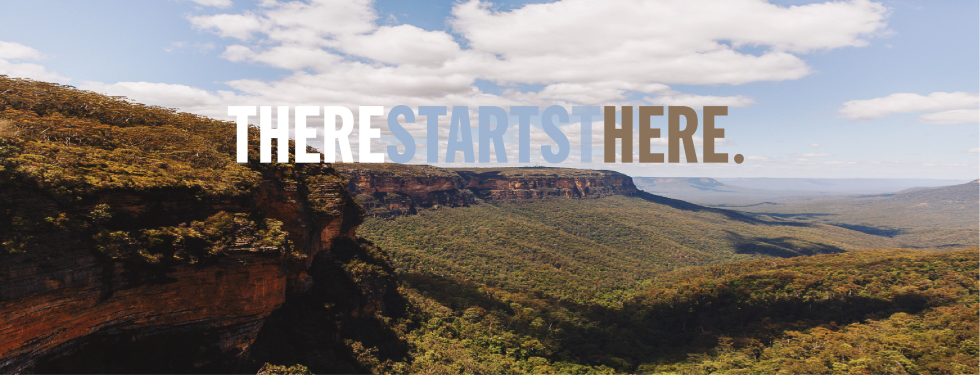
[
  {"x": 644, "y": 331},
  {"x": 109, "y": 351},
  {"x": 731, "y": 215},
  {"x": 802, "y": 216},
  {"x": 697, "y": 323},
  {"x": 723, "y": 205},
  {"x": 318, "y": 327},
  {"x": 874, "y": 231},
  {"x": 781, "y": 247},
  {"x": 457, "y": 294},
  {"x": 866, "y": 229},
  {"x": 304, "y": 331}
]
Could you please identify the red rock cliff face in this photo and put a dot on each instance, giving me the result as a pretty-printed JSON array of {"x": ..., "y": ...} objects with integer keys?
[
  {"x": 399, "y": 189},
  {"x": 389, "y": 189},
  {"x": 54, "y": 299},
  {"x": 584, "y": 184},
  {"x": 75, "y": 296}
]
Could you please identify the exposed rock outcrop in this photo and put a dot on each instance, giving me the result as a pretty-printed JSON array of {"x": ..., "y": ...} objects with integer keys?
[
  {"x": 537, "y": 183},
  {"x": 63, "y": 297},
  {"x": 390, "y": 189},
  {"x": 132, "y": 241},
  {"x": 77, "y": 298}
]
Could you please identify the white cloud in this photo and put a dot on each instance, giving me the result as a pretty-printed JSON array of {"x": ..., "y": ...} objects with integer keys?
[
  {"x": 305, "y": 23},
  {"x": 582, "y": 93},
  {"x": 354, "y": 84},
  {"x": 240, "y": 26},
  {"x": 403, "y": 44},
  {"x": 17, "y": 51},
  {"x": 214, "y": 3},
  {"x": 647, "y": 41},
  {"x": 182, "y": 45},
  {"x": 910, "y": 103},
  {"x": 551, "y": 44},
  {"x": 186, "y": 98},
  {"x": 956, "y": 116},
  {"x": 339, "y": 53},
  {"x": 814, "y": 155},
  {"x": 973, "y": 150},
  {"x": 598, "y": 93},
  {"x": 675, "y": 98},
  {"x": 815, "y": 145},
  {"x": 11, "y": 65},
  {"x": 287, "y": 57},
  {"x": 174, "y": 46}
]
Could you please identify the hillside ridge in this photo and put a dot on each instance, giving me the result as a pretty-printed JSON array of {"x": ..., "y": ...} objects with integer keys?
[{"x": 391, "y": 189}]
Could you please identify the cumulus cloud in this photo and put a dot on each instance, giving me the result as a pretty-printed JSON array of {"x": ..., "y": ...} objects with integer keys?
[
  {"x": 311, "y": 23},
  {"x": 402, "y": 44},
  {"x": 551, "y": 44},
  {"x": 340, "y": 52},
  {"x": 951, "y": 107},
  {"x": 674, "y": 98},
  {"x": 583, "y": 93},
  {"x": 956, "y": 116},
  {"x": 213, "y": 3},
  {"x": 12, "y": 64},
  {"x": 17, "y": 51},
  {"x": 287, "y": 57},
  {"x": 240, "y": 26},
  {"x": 557, "y": 41},
  {"x": 186, "y": 98}
]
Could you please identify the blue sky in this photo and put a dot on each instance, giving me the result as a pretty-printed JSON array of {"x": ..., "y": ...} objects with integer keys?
[{"x": 816, "y": 89}]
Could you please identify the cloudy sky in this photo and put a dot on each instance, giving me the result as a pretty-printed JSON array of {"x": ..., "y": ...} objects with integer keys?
[{"x": 815, "y": 89}]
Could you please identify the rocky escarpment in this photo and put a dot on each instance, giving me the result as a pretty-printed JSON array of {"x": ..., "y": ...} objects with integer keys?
[
  {"x": 60, "y": 298},
  {"x": 537, "y": 183},
  {"x": 131, "y": 241},
  {"x": 388, "y": 189},
  {"x": 401, "y": 188}
]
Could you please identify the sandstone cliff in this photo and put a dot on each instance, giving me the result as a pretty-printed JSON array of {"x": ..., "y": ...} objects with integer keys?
[
  {"x": 59, "y": 297},
  {"x": 388, "y": 189},
  {"x": 132, "y": 242}
]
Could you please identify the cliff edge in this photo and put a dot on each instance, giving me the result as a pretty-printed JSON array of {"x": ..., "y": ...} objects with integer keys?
[
  {"x": 131, "y": 241},
  {"x": 391, "y": 189}
]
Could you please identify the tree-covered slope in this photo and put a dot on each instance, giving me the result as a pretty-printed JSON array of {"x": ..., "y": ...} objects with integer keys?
[
  {"x": 640, "y": 284},
  {"x": 881, "y": 311},
  {"x": 582, "y": 249},
  {"x": 63, "y": 151}
]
